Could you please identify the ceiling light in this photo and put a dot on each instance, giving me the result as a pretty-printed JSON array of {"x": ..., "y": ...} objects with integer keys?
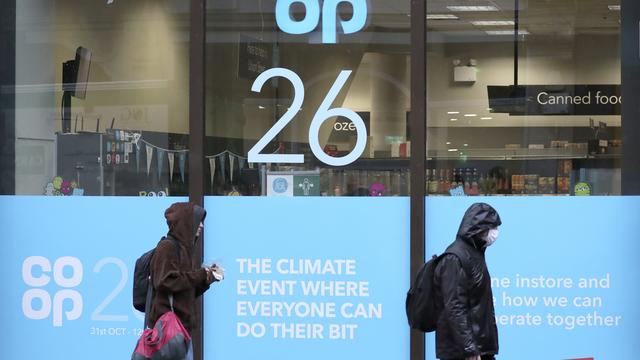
[
  {"x": 493, "y": 23},
  {"x": 452, "y": 150},
  {"x": 453, "y": 119},
  {"x": 465, "y": 145},
  {"x": 486, "y": 118},
  {"x": 442, "y": 17},
  {"x": 472, "y": 8},
  {"x": 470, "y": 115},
  {"x": 448, "y": 142},
  {"x": 614, "y": 7},
  {"x": 506, "y": 32},
  {"x": 260, "y": 107},
  {"x": 453, "y": 112}
]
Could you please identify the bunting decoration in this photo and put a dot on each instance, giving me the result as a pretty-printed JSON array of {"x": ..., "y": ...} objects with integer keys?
[
  {"x": 171, "y": 157},
  {"x": 137, "y": 159},
  {"x": 149, "y": 157},
  {"x": 136, "y": 141},
  {"x": 232, "y": 160},
  {"x": 222, "y": 158},
  {"x": 212, "y": 168},
  {"x": 182, "y": 161},
  {"x": 160, "y": 159},
  {"x": 223, "y": 166}
]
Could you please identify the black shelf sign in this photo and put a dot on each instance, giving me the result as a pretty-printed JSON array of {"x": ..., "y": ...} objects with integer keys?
[{"x": 555, "y": 99}]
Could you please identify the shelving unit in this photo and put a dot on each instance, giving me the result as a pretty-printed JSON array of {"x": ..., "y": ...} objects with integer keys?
[{"x": 535, "y": 165}]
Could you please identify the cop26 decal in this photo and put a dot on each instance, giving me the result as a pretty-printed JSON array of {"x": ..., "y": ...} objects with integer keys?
[{"x": 328, "y": 15}]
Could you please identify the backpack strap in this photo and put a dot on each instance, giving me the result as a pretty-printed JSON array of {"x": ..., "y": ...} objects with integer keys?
[
  {"x": 174, "y": 242},
  {"x": 455, "y": 249},
  {"x": 147, "y": 304}
]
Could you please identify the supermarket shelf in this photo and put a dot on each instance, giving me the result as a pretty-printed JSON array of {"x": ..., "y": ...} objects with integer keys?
[
  {"x": 380, "y": 164},
  {"x": 387, "y": 164},
  {"x": 517, "y": 154}
]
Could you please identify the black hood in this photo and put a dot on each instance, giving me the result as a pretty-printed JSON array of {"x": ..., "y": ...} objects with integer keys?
[{"x": 479, "y": 218}]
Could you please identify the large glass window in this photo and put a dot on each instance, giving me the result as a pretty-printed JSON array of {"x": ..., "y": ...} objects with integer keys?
[
  {"x": 100, "y": 102},
  {"x": 532, "y": 113},
  {"x": 360, "y": 50}
]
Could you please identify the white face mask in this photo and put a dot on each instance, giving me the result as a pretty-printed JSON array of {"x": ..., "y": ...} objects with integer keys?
[{"x": 492, "y": 236}]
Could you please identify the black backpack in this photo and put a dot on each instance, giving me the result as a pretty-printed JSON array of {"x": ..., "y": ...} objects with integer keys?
[
  {"x": 142, "y": 275},
  {"x": 421, "y": 303}
]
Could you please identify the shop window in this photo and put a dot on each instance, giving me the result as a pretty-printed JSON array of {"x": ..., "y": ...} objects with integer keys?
[
  {"x": 537, "y": 113},
  {"x": 100, "y": 99},
  {"x": 370, "y": 49}
]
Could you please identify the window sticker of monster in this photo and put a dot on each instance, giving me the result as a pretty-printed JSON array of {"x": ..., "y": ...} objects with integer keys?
[
  {"x": 377, "y": 189},
  {"x": 60, "y": 187},
  {"x": 49, "y": 189},
  {"x": 66, "y": 188}
]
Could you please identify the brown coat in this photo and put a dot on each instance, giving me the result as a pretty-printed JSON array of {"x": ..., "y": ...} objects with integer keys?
[{"x": 173, "y": 271}]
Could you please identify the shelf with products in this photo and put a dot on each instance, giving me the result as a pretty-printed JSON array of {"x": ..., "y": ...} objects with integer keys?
[
  {"x": 504, "y": 177},
  {"x": 587, "y": 168},
  {"x": 523, "y": 173},
  {"x": 498, "y": 181},
  {"x": 504, "y": 171}
]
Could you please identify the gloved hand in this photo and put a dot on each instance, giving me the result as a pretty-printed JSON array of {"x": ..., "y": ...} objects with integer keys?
[{"x": 217, "y": 271}]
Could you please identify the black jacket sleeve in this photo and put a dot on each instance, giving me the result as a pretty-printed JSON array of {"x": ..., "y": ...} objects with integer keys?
[{"x": 453, "y": 286}]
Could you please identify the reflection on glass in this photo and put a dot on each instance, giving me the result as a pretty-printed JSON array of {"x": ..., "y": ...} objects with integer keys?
[
  {"x": 536, "y": 113},
  {"x": 361, "y": 72},
  {"x": 101, "y": 98}
]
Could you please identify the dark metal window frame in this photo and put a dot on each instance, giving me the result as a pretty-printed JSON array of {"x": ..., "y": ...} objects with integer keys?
[
  {"x": 418, "y": 123},
  {"x": 197, "y": 40},
  {"x": 8, "y": 97},
  {"x": 418, "y": 144}
]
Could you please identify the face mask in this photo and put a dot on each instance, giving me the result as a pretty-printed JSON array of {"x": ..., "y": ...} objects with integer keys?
[{"x": 492, "y": 236}]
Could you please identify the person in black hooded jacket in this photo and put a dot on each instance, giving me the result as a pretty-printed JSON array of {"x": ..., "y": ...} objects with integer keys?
[{"x": 466, "y": 327}]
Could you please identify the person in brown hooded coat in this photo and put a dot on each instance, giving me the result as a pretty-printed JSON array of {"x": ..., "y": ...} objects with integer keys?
[{"x": 174, "y": 270}]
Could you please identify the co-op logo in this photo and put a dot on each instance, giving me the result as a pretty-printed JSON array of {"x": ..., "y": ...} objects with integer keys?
[
  {"x": 329, "y": 18},
  {"x": 37, "y": 303}
]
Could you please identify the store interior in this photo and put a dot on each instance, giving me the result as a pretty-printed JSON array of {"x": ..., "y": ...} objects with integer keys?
[{"x": 136, "y": 104}]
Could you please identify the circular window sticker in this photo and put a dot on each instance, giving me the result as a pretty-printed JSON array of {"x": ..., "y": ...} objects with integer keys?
[
  {"x": 582, "y": 189},
  {"x": 280, "y": 185}
]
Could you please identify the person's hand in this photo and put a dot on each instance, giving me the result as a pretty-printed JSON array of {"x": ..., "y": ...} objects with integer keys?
[
  {"x": 209, "y": 273},
  {"x": 474, "y": 357},
  {"x": 217, "y": 272}
]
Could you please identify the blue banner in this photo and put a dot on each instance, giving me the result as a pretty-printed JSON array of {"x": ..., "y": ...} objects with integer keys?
[
  {"x": 318, "y": 277},
  {"x": 308, "y": 278},
  {"x": 565, "y": 271},
  {"x": 68, "y": 270}
]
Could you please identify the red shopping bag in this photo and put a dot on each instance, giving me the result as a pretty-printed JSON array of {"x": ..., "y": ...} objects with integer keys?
[{"x": 167, "y": 340}]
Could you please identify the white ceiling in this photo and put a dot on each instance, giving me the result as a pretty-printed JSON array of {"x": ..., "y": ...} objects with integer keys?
[{"x": 539, "y": 17}]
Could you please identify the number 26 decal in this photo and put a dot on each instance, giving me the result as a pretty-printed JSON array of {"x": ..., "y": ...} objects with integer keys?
[{"x": 323, "y": 114}]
